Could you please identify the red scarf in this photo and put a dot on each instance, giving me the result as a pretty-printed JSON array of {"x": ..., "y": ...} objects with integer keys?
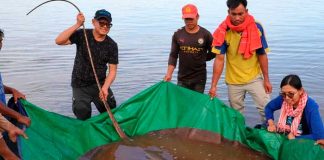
[
  {"x": 250, "y": 38},
  {"x": 287, "y": 110}
]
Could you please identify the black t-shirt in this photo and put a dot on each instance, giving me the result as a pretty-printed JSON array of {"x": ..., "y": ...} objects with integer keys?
[
  {"x": 192, "y": 49},
  {"x": 102, "y": 53}
]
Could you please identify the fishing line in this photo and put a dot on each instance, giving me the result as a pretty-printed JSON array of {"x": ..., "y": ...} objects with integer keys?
[{"x": 117, "y": 127}]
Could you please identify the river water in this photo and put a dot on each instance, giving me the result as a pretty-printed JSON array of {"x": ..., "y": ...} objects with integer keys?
[{"x": 31, "y": 61}]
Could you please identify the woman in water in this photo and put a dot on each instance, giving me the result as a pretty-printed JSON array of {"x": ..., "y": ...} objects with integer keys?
[{"x": 299, "y": 115}]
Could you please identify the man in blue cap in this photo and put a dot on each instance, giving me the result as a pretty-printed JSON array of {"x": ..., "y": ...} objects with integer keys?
[{"x": 104, "y": 53}]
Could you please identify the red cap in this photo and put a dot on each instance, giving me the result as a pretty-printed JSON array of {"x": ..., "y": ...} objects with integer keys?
[{"x": 189, "y": 11}]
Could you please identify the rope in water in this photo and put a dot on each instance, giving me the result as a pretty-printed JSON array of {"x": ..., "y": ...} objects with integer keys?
[{"x": 115, "y": 123}]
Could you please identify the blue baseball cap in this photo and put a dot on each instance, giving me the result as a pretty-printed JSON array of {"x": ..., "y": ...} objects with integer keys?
[{"x": 102, "y": 13}]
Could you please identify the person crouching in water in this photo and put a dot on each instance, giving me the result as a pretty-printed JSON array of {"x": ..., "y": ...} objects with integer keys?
[{"x": 299, "y": 115}]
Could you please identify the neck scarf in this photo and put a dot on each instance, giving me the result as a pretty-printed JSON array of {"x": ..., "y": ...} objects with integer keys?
[
  {"x": 287, "y": 110},
  {"x": 250, "y": 38}
]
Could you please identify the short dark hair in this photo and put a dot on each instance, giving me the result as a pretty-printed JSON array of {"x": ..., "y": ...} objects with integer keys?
[
  {"x": 292, "y": 80},
  {"x": 1, "y": 33},
  {"x": 232, "y": 4}
]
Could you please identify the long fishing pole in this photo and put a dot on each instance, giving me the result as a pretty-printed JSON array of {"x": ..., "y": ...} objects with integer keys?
[{"x": 115, "y": 123}]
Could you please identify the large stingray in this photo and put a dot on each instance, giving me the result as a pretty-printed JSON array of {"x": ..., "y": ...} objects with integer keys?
[{"x": 184, "y": 143}]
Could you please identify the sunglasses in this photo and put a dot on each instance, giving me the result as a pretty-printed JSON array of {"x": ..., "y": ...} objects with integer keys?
[
  {"x": 105, "y": 24},
  {"x": 289, "y": 94}
]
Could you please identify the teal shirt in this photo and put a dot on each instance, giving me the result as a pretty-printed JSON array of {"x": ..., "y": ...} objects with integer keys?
[{"x": 2, "y": 93}]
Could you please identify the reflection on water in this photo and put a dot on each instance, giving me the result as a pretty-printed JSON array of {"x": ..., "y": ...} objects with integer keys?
[
  {"x": 173, "y": 144},
  {"x": 31, "y": 62}
]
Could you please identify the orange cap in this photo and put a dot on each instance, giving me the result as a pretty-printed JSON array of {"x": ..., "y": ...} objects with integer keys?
[{"x": 189, "y": 11}]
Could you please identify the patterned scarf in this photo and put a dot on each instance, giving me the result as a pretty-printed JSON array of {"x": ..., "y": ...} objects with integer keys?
[
  {"x": 287, "y": 110},
  {"x": 250, "y": 38}
]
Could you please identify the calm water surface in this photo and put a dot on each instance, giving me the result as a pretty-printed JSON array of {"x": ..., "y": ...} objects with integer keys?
[{"x": 31, "y": 62}]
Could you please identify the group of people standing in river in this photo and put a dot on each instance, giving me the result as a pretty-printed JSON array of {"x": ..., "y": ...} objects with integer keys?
[{"x": 239, "y": 41}]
